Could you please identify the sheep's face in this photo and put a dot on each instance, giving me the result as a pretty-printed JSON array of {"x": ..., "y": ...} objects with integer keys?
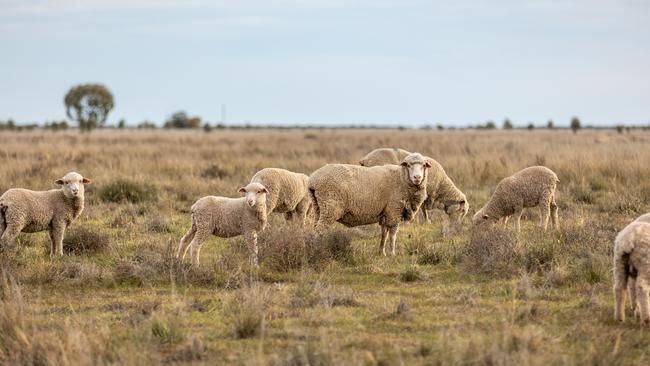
[
  {"x": 72, "y": 184},
  {"x": 416, "y": 167},
  {"x": 255, "y": 194},
  {"x": 480, "y": 218}
]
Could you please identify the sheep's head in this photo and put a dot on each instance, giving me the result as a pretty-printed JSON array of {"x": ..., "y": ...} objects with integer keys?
[
  {"x": 255, "y": 194},
  {"x": 416, "y": 167},
  {"x": 457, "y": 211},
  {"x": 72, "y": 184},
  {"x": 481, "y": 217}
]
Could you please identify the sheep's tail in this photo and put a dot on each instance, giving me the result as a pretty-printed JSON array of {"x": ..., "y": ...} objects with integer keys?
[
  {"x": 314, "y": 204},
  {"x": 3, "y": 213}
]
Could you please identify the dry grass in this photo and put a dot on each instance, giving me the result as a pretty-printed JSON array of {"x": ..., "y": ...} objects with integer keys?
[{"x": 480, "y": 297}]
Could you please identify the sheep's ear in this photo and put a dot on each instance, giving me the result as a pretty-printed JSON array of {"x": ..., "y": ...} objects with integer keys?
[
  {"x": 404, "y": 163},
  {"x": 59, "y": 182},
  {"x": 361, "y": 162},
  {"x": 427, "y": 164},
  {"x": 485, "y": 217},
  {"x": 264, "y": 190},
  {"x": 86, "y": 181},
  {"x": 242, "y": 190}
]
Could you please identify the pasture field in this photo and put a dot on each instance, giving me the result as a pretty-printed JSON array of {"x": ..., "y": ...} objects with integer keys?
[{"x": 484, "y": 297}]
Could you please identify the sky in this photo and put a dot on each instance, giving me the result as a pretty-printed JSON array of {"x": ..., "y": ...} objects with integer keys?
[{"x": 332, "y": 62}]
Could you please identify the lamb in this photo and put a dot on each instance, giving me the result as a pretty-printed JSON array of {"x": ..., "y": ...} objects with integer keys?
[
  {"x": 530, "y": 187},
  {"x": 632, "y": 270},
  {"x": 227, "y": 217},
  {"x": 22, "y": 210},
  {"x": 354, "y": 195},
  {"x": 442, "y": 193},
  {"x": 287, "y": 192}
]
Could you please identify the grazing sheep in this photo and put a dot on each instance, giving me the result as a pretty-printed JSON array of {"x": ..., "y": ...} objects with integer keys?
[
  {"x": 288, "y": 192},
  {"x": 384, "y": 156},
  {"x": 354, "y": 195},
  {"x": 632, "y": 270},
  {"x": 442, "y": 193},
  {"x": 530, "y": 187},
  {"x": 226, "y": 217},
  {"x": 22, "y": 210}
]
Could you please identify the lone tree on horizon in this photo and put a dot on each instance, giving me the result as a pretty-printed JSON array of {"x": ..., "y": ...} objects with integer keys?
[
  {"x": 575, "y": 124},
  {"x": 90, "y": 103}
]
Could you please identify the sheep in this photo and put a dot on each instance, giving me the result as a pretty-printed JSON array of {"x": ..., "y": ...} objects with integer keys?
[
  {"x": 442, "y": 193},
  {"x": 355, "y": 195},
  {"x": 632, "y": 270},
  {"x": 530, "y": 187},
  {"x": 384, "y": 156},
  {"x": 227, "y": 217},
  {"x": 22, "y": 210},
  {"x": 287, "y": 192},
  {"x": 644, "y": 218}
]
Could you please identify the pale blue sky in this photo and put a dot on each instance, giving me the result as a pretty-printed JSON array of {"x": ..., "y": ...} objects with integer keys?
[{"x": 332, "y": 61}]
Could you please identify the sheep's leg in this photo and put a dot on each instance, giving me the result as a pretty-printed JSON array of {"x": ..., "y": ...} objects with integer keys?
[
  {"x": 328, "y": 217},
  {"x": 2, "y": 223},
  {"x": 199, "y": 237},
  {"x": 554, "y": 219},
  {"x": 620, "y": 284},
  {"x": 642, "y": 298},
  {"x": 300, "y": 213},
  {"x": 56, "y": 236},
  {"x": 393, "y": 237},
  {"x": 251, "y": 241},
  {"x": 9, "y": 235},
  {"x": 425, "y": 214},
  {"x": 382, "y": 242},
  {"x": 631, "y": 290},
  {"x": 504, "y": 220},
  {"x": 185, "y": 242},
  {"x": 545, "y": 209},
  {"x": 517, "y": 215}
]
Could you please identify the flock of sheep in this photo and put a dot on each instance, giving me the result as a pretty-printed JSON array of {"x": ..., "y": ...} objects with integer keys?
[{"x": 387, "y": 187}]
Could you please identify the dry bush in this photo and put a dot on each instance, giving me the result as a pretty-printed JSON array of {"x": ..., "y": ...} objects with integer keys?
[
  {"x": 82, "y": 240},
  {"x": 245, "y": 314},
  {"x": 411, "y": 274},
  {"x": 402, "y": 311},
  {"x": 122, "y": 191},
  {"x": 287, "y": 248},
  {"x": 492, "y": 250},
  {"x": 312, "y": 293}
]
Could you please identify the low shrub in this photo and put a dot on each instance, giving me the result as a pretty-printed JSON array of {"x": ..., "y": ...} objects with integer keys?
[
  {"x": 82, "y": 240},
  {"x": 121, "y": 191},
  {"x": 245, "y": 313}
]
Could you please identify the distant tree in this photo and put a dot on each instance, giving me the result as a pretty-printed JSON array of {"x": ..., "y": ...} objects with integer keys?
[
  {"x": 207, "y": 127},
  {"x": 146, "y": 125},
  {"x": 121, "y": 124},
  {"x": 181, "y": 120},
  {"x": 490, "y": 125},
  {"x": 550, "y": 125},
  {"x": 90, "y": 103},
  {"x": 575, "y": 124},
  {"x": 507, "y": 125},
  {"x": 530, "y": 126},
  {"x": 620, "y": 128},
  {"x": 440, "y": 127}
]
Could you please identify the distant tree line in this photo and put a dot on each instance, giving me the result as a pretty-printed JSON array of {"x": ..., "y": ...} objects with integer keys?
[{"x": 90, "y": 104}]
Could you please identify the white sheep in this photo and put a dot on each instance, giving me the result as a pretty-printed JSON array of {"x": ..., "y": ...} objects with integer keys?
[
  {"x": 354, "y": 195},
  {"x": 226, "y": 217},
  {"x": 632, "y": 270},
  {"x": 442, "y": 193},
  {"x": 22, "y": 210},
  {"x": 530, "y": 187},
  {"x": 287, "y": 192},
  {"x": 644, "y": 218}
]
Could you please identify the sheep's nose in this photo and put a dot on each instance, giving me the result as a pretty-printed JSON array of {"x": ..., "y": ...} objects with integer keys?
[
  {"x": 251, "y": 202},
  {"x": 417, "y": 177}
]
